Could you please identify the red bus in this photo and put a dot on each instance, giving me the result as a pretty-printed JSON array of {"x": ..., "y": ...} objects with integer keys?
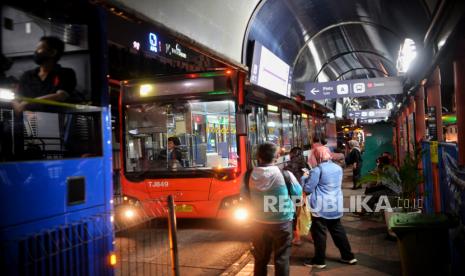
[{"x": 217, "y": 126}]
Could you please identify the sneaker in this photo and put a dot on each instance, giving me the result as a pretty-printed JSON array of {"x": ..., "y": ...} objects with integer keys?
[
  {"x": 311, "y": 264},
  {"x": 352, "y": 261}
]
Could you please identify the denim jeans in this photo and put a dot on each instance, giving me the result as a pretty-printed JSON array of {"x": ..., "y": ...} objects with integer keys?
[
  {"x": 319, "y": 226},
  {"x": 268, "y": 238}
]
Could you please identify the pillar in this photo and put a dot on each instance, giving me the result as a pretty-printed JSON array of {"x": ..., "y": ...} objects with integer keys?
[
  {"x": 420, "y": 114},
  {"x": 399, "y": 140},
  {"x": 459, "y": 86},
  {"x": 433, "y": 99},
  {"x": 433, "y": 92}
]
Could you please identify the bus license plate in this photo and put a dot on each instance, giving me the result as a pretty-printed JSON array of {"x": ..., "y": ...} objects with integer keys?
[{"x": 183, "y": 208}]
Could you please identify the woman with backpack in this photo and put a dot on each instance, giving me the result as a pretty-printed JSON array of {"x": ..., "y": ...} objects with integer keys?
[{"x": 296, "y": 166}]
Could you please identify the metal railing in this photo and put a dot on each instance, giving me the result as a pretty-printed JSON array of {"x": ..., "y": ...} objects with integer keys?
[{"x": 146, "y": 240}]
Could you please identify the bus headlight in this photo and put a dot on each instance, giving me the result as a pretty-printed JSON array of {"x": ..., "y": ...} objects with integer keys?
[
  {"x": 129, "y": 213},
  {"x": 241, "y": 214}
]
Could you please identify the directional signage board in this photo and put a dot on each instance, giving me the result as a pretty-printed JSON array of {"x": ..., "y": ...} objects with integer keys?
[
  {"x": 368, "y": 113},
  {"x": 369, "y": 121},
  {"x": 353, "y": 88}
]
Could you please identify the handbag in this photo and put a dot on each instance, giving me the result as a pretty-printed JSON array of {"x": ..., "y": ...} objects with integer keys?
[{"x": 304, "y": 220}]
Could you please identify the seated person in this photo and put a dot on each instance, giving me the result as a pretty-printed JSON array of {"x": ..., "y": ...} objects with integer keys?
[
  {"x": 49, "y": 81},
  {"x": 174, "y": 154},
  {"x": 388, "y": 183}
]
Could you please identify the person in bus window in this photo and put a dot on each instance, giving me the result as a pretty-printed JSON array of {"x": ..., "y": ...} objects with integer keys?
[
  {"x": 49, "y": 81},
  {"x": 173, "y": 153}
]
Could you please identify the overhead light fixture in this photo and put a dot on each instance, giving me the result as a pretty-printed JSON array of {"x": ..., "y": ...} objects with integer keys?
[
  {"x": 407, "y": 54},
  {"x": 145, "y": 90},
  {"x": 6, "y": 95}
]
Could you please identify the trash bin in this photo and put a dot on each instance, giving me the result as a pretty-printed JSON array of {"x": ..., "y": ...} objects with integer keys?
[{"x": 423, "y": 242}]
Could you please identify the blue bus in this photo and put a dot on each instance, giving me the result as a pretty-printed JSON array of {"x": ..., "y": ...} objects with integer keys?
[{"x": 55, "y": 140}]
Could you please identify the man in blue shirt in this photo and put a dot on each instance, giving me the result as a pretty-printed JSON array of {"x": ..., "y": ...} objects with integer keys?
[
  {"x": 326, "y": 203},
  {"x": 269, "y": 196}
]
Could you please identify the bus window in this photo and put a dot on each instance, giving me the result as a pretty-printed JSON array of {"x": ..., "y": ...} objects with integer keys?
[
  {"x": 296, "y": 134},
  {"x": 257, "y": 131},
  {"x": 305, "y": 132},
  {"x": 48, "y": 116},
  {"x": 252, "y": 134},
  {"x": 203, "y": 134},
  {"x": 261, "y": 123},
  {"x": 287, "y": 130},
  {"x": 274, "y": 128}
]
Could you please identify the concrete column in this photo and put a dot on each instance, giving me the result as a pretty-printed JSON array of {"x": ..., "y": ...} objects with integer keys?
[
  {"x": 459, "y": 85},
  {"x": 420, "y": 114},
  {"x": 433, "y": 93}
]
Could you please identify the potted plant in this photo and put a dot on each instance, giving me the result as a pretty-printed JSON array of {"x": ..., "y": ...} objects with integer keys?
[{"x": 410, "y": 179}]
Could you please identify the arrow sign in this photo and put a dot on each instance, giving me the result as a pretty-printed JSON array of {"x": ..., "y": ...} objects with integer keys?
[
  {"x": 369, "y": 113},
  {"x": 353, "y": 88}
]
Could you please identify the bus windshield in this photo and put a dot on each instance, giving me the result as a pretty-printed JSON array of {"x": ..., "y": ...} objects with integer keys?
[{"x": 189, "y": 135}]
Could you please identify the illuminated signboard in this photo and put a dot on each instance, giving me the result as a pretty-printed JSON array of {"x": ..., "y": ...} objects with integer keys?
[
  {"x": 270, "y": 72},
  {"x": 176, "y": 50},
  {"x": 153, "y": 42},
  {"x": 136, "y": 45},
  {"x": 272, "y": 108},
  {"x": 369, "y": 113},
  {"x": 353, "y": 88}
]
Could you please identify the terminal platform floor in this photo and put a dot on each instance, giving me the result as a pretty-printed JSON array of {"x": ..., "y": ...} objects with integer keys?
[{"x": 367, "y": 235}]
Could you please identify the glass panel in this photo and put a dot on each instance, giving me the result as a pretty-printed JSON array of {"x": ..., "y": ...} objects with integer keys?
[
  {"x": 189, "y": 135},
  {"x": 257, "y": 131},
  {"x": 287, "y": 130},
  {"x": 261, "y": 122},
  {"x": 296, "y": 136},
  {"x": 253, "y": 134},
  {"x": 311, "y": 127},
  {"x": 305, "y": 132},
  {"x": 48, "y": 135},
  {"x": 47, "y": 77},
  {"x": 274, "y": 128}
]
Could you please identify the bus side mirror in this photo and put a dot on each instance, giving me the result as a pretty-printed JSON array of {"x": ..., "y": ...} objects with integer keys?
[{"x": 241, "y": 126}]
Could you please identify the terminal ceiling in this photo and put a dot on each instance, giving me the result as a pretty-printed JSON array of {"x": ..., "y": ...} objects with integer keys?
[{"x": 322, "y": 40}]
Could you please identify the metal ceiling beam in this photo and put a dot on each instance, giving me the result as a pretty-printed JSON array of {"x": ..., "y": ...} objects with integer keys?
[
  {"x": 361, "y": 68},
  {"x": 338, "y": 25},
  {"x": 335, "y": 57}
]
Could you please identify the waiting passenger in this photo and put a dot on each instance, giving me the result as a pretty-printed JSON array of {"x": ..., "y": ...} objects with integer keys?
[
  {"x": 324, "y": 186},
  {"x": 296, "y": 166},
  {"x": 311, "y": 157},
  {"x": 388, "y": 183},
  {"x": 272, "y": 223},
  {"x": 355, "y": 159}
]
